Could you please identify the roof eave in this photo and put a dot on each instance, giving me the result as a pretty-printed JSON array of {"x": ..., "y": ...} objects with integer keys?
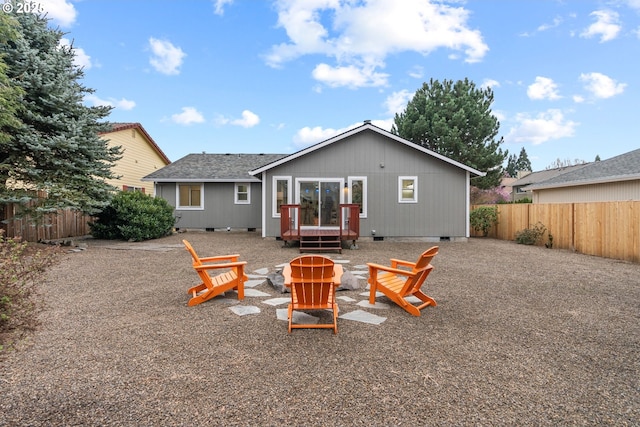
[{"x": 605, "y": 180}]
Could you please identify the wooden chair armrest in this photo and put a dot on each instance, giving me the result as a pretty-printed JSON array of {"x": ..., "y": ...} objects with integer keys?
[
  {"x": 373, "y": 266},
  {"x": 396, "y": 262},
  {"x": 231, "y": 258},
  {"x": 223, "y": 265}
]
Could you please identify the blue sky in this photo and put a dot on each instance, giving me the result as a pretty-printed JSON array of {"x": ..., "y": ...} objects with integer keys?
[{"x": 249, "y": 76}]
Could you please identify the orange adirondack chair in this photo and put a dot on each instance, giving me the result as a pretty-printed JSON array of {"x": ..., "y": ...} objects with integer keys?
[
  {"x": 313, "y": 288},
  {"x": 232, "y": 278},
  {"x": 403, "y": 279}
]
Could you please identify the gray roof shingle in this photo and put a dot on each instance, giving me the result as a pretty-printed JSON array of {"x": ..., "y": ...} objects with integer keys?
[
  {"x": 620, "y": 168},
  {"x": 205, "y": 167}
]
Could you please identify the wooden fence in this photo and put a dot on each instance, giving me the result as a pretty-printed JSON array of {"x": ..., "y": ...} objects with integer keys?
[
  {"x": 605, "y": 229},
  {"x": 61, "y": 225}
]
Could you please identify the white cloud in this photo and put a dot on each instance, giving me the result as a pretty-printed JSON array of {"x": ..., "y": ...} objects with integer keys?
[
  {"x": 166, "y": 58},
  {"x": 312, "y": 135},
  {"x": 248, "y": 120},
  {"x": 417, "y": 72},
  {"x": 578, "y": 99},
  {"x": 397, "y": 102},
  {"x": 218, "y": 6},
  {"x": 61, "y": 12},
  {"x": 606, "y": 26},
  {"x": 602, "y": 86},
  {"x": 543, "y": 88},
  {"x": 489, "y": 83},
  {"x": 556, "y": 22},
  {"x": 80, "y": 58},
  {"x": 122, "y": 104},
  {"x": 350, "y": 76},
  {"x": 544, "y": 127},
  {"x": 360, "y": 35},
  {"x": 188, "y": 116}
]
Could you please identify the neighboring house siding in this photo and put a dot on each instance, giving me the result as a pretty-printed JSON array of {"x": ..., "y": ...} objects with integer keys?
[
  {"x": 220, "y": 210},
  {"x": 441, "y": 207},
  {"x": 138, "y": 159},
  {"x": 613, "y": 191}
]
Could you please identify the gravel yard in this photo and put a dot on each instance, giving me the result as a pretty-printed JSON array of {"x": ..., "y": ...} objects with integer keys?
[{"x": 521, "y": 336}]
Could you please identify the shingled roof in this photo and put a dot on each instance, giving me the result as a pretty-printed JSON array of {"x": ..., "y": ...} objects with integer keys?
[
  {"x": 205, "y": 167},
  {"x": 624, "y": 167}
]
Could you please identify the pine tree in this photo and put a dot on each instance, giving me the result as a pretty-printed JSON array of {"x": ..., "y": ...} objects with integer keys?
[
  {"x": 58, "y": 148},
  {"x": 512, "y": 166},
  {"x": 9, "y": 91},
  {"x": 523, "y": 163},
  {"x": 455, "y": 120}
]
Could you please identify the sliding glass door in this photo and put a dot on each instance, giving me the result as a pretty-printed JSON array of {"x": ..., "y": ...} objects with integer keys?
[{"x": 319, "y": 201}]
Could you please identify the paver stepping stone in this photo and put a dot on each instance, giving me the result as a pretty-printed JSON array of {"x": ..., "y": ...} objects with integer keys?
[
  {"x": 243, "y": 310},
  {"x": 379, "y": 305},
  {"x": 277, "y": 301},
  {"x": 363, "y": 316},
  {"x": 255, "y": 293},
  {"x": 253, "y": 283},
  {"x": 262, "y": 271}
]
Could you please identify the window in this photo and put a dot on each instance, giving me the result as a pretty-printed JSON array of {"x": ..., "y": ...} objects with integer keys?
[
  {"x": 132, "y": 188},
  {"x": 408, "y": 189},
  {"x": 358, "y": 193},
  {"x": 190, "y": 196},
  {"x": 243, "y": 193},
  {"x": 281, "y": 193}
]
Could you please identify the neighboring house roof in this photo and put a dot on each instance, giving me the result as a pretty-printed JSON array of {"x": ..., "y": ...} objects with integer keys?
[
  {"x": 365, "y": 126},
  {"x": 205, "y": 167},
  {"x": 540, "y": 176},
  {"x": 117, "y": 127},
  {"x": 624, "y": 167}
]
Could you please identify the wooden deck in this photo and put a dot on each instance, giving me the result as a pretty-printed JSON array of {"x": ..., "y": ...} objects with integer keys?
[{"x": 320, "y": 239}]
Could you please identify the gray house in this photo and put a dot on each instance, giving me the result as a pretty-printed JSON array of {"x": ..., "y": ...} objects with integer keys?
[{"x": 402, "y": 189}]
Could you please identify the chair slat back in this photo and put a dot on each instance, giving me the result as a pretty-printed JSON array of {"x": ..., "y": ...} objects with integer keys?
[
  {"x": 312, "y": 279},
  {"x": 425, "y": 259},
  {"x": 196, "y": 258},
  {"x": 414, "y": 283}
]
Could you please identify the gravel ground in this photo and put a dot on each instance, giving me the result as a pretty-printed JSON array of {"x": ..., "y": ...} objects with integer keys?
[{"x": 521, "y": 336}]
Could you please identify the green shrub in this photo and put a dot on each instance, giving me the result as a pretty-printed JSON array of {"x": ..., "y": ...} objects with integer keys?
[
  {"x": 134, "y": 216},
  {"x": 21, "y": 265},
  {"x": 483, "y": 218},
  {"x": 531, "y": 236}
]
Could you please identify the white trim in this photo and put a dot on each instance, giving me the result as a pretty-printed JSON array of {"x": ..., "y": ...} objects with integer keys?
[
  {"x": 236, "y": 193},
  {"x": 468, "y": 206},
  {"x": 350, "y": 180},
  {"x": 274, "y": 188},
  {"x": 415, "y": 189},
  {"x": 263, "y": 212},
  {"x": 189, "y": 208}
]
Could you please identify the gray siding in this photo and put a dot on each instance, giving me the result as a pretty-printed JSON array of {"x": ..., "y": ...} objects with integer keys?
[
  {"x": 442, "y": 187},
  {"x": 220, "y": 211}
]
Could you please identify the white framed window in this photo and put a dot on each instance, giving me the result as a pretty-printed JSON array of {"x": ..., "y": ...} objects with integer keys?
[
  {"x": 190, "y": 196},
  {"x": 281, "y": 194},
  {"x": 242, "y": 193},
  {"x": 357, "y": 193},
  {"x": 407, "y": 189}
]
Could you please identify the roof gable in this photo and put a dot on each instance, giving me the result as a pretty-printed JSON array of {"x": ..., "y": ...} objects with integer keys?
[
  {"x": 624, "y": 167},
  {"x": 366, "y": 126},
  {"x": 205, "y": 167},
  {"x": 117, "y": 127}
]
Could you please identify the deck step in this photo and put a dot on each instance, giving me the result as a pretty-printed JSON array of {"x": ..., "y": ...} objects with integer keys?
[{"x": 320, "y": 243}]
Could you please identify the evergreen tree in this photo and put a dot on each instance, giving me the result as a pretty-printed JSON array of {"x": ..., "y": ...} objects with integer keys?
[
  {"x": 9, "y": 91},
  {"x": 455, "y": 120},
  {"x": 58, "y": 149},
  {"x": 523, "y": 163},
  {"x": 512, "y": 166}
]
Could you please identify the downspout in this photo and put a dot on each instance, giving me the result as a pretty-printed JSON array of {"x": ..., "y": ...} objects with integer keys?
[
  {"x": 264, "y": 205},
  {"x": 468, "y": 202}
]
